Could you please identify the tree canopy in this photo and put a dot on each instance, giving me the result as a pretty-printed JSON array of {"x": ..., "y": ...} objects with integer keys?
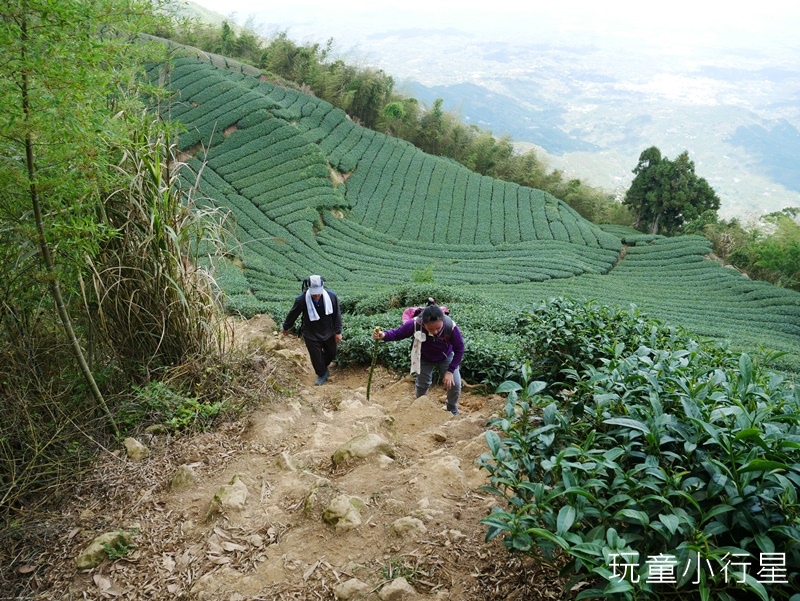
[{"x": 665, "y": 193}]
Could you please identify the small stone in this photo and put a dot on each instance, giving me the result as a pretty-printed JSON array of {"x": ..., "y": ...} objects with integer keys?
[
  {"x": 96, "y": 552},
  {"x": 184, "y": 476},
  {"x": 397, "y": 590},
  {"x": 351, "y": 589},
  {"x": 135, "y": 449}
]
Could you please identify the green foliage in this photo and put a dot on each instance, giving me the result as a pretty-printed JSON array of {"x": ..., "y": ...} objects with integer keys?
[
  {"x": 156, "y": 306},
  {"x": 673, "y": 450},
  {"x": 564, "y": 336},
  {"x": 156, "y": 403},
  {"x": 768, "y": 250},
  {"x": 772, "y": 253},
  {"x": 664, "y": 194},
  {"x": 422, "y": 275},
  {"x": 67, "y": 71},
  {"x": 121, "y": 549}
]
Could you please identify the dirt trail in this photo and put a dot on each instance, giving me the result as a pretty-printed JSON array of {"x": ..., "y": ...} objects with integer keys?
[{"x": 277, "y": 545}]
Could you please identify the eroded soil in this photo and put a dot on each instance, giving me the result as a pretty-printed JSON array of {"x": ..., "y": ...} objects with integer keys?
[{"x": 278, "y": 546}]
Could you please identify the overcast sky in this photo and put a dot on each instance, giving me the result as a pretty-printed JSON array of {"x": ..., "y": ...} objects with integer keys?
[{"x": 676, "y": 21}]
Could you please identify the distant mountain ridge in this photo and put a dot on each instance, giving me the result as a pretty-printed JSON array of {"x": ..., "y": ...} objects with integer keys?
[
  {"x": 590, "y": 110},
  {"x": 776, "y": 147}
]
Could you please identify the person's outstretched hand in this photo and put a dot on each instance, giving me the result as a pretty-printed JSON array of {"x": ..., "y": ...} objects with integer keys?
[{"x": 447, "y": 380}]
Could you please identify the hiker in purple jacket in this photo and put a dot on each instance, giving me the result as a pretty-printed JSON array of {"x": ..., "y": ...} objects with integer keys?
[{"x": 441, "y": 345}]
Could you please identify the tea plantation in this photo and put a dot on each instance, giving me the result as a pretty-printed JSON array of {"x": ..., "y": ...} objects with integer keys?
[
  {"x": 637, "y": 434},
  {"x": 312, "y": 192}
]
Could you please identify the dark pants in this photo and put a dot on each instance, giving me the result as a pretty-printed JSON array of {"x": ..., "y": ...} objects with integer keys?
[{"x": 322, "y": 352}]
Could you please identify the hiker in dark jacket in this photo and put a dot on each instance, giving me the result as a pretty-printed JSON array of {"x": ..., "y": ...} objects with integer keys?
[
  {"x": 321, "y": 325},
  {"x": 440, "y": 345}
]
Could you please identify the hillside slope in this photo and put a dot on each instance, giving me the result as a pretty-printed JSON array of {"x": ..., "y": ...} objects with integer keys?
[
  {"x": 312, "y": 192},
  {"x": 418, "y": 497}
]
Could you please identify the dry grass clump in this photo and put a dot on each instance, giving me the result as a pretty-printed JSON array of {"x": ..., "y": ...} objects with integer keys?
[{"x": 39, "y": 543}]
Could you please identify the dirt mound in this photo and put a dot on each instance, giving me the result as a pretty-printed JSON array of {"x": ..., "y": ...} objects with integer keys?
[{"x": 414, "y": 495}]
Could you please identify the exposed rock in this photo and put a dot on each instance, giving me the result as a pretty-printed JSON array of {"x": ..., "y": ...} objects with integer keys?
[
  {"x": 421, "y": 413},
  {"x": 285, "y": 461},
  {"x": 184, "y": 476},
  {"x": 156, "y": 430},
  {"x": 96, "y": 552},
  {"x": 351, "y": 590},
  {"x": 397, "y": 590},
  {"x": 408, "y": 525},
  {"x": 343, "y": 512},
  {"x": 310, "y": 499},
  {"x": 135, "y": 449},
  {"x": 438, "y": 474},
  {"x": 362, "y": 446},
  {"x": 298, "y": 358},
  {"x": 231, "y": 496}
]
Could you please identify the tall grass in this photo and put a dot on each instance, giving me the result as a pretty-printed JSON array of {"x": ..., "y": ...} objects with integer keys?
[
  {"x": 146, "y": 309},
  {"x": 156, "y": 305}
]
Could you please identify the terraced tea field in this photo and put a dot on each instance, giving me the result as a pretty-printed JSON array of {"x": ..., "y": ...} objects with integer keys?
[{"x": 312, "y": 192}]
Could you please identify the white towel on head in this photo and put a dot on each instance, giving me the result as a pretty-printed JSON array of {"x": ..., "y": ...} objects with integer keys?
[{"x": 312, "y": 310}]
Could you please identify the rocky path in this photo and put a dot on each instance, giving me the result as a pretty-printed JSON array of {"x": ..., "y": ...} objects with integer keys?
[{"x": 321, "y": 495}]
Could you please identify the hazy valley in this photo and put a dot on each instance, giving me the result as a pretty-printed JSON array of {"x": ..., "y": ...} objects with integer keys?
[{"x": 593, "y": 101}]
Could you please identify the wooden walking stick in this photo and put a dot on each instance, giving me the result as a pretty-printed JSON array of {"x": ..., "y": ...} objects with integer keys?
[{"x": 374, "y": 357}]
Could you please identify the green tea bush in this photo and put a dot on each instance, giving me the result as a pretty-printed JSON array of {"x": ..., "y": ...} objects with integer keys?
[
  {"x": 407, "y": 295},
  {"x": 669, "y": 470},
  {"x": 563, "y": 335}
]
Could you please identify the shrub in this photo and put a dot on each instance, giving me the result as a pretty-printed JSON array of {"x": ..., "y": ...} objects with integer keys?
[
  {"x": 156, "y": 403},
  {"x": 563, "y": 335},
  {"x": 665, "y": 472}
]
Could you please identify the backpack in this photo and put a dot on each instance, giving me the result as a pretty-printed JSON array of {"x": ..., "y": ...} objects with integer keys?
[
  {"x": 415, "y": 312},
  {"x": 412, "y": 312}
]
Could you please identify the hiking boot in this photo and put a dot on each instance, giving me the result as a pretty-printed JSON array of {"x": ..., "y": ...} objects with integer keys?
[
  {"x": 323, "y": 378},
  {"x": 453, "y": 410}
]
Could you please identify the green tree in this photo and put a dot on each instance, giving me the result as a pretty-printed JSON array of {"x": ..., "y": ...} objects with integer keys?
[
  {"x": 227, "y": 45},
  {"x": 65, "y": 70},
  {"x": 664, "y": 194},
  {"x": 367, "y": 95},
  {"x": 431, "y": 129},
  {"x": 772, "y": 252}
]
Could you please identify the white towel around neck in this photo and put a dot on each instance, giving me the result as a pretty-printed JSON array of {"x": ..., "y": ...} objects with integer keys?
[{"x": 312, "y": 310}]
